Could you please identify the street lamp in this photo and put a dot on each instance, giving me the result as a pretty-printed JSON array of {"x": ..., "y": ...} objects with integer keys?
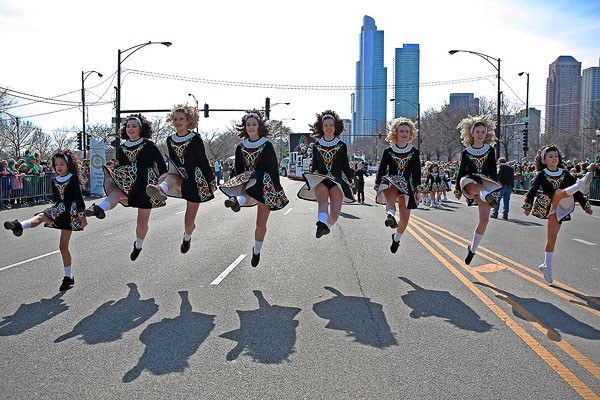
[
  {"x": 488, "y": 58},
  {"x": 132, "y": 49},
  {"x": 526, "y": 138},
  {"x": 196, "y": 100},
  {"x": 417, "y": 106},
  {"x": 84, "y": 76}
]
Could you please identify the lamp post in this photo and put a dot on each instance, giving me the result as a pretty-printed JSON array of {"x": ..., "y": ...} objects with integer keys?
[
  {"x": 196, "y": 100},
  {"x": 526, "y": 138},
  {"x": 132, "y": 50},
  {"x": 497, "y": 67},
  {"x": 597, "y": 139},
  {"x": 84, "y": 76},
  {"x": 417, "y": 106}
]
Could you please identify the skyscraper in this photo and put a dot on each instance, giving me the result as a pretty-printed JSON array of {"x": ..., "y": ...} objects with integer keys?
[
  {"x": 369, "y": 100},
  {"x": 467, "y": 101},
  {"x": 406, "y": 81},
  {"x": 590, "y": 104},
  {"x": 563, "y": 96}
]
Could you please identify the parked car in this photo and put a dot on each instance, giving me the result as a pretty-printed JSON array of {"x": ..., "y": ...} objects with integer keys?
[{"x": 283, "y": 166}]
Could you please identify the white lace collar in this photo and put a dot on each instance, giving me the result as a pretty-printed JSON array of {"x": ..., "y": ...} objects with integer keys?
[
  {"x": 129, "y": 143},
  {"x": 401, "y": 150},
  {"x": 63, "y": 179},
  {"x": 252, "y": 145},
  {"x": 325, "y": 143},
  {"x": 480, "y": 151},
  {"x": 434, "y": 173},
  {"x": 553, "y": 173},
  {"x": 180, "y": 139}
]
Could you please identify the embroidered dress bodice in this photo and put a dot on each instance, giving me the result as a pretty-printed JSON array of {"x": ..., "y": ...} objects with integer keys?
[
  {"x": 401, "y": 156},
  {"x": 478, "y": 156},
  {"x": 61, "y": 183},
  {"x": 328, "y": 151},
  {"x": 554, "y": 177},
  {"x": 131, "y": 153},
  {"x": 180, "y": 145},
  {"x": 251, "y": 151}
]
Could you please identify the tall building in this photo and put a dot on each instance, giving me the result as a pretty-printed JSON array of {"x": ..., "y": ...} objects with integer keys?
[
  {"x": 346, "y": 136},
  {"x": 369, "y": 100},
  {"x": 406, "y": 81},
  {"x": 563, "y": 97},
  {"x": 466, "y": 101},
  {"x": 590, "y": 103}
]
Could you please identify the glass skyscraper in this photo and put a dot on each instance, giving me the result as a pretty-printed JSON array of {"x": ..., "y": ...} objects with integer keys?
[
  {"x": 590, "y": 103},
  {"x": 563, "y": 96},
  {"x": 406, "y": 81},
  {"x": 369, "y": 100}
]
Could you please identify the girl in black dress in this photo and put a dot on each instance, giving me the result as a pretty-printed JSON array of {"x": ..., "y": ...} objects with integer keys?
[
  {"x": 257, "y": 182},
  {"x": 189, "y": 173},
  {"x": 139, "y": 163},
  {"x": 328, "y": 183},
  {"x": 67, "y": 213},
  {"x": 399, "y": 177},
  {"x": 477, "y": 175},
  {"x": 557, "y": 200},
  {"x": 434, "y": 185}
]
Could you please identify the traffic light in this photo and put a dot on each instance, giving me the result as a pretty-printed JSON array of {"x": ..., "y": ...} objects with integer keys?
[
  {"x": 267, "y": 107},
  {"x": 87, "y": 141},
  {"x": 525, "y": 140},
  {"x": 205, "y": 110},
  {"x": 79, "y": 140},
  {"x": 379, "y": 134}
]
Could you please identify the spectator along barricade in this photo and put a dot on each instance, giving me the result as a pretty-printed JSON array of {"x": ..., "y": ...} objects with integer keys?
[{"x": 23, "y": 189}]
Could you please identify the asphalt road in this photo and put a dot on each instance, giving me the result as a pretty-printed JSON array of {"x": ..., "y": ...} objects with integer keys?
[{"x": 336, "y": 317}]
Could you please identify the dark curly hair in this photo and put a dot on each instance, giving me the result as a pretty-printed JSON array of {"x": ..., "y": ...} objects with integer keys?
[
  {"x": 317, "y": 127},
  {"x": 145, "y": 131},
  {"x": 539, "y": 164},
  {"x": 434, "y": 165},
  {"x": 73, "y": 163},
  {"x": 264, "y": 129}
]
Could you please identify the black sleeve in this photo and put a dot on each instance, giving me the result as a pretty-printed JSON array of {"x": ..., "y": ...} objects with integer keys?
[
  {"x": 316, "y": 159},
  {"x": 240, "y": 165},
  {"x": 271, "y": 165},
  {"x": 200, "y": 154},
  {"x": 345, "y": 163},
  {"x": 121, "y": 159},
  {"x": 492, "y": 169},
  {"x": 383, "y": 165},
  {"x": 535, "y": 185},
  {"x": 77, "y": 197},
  {"x": 55, "y": 196},
  {"x": 462, "y": 170},
  {"x": 158, "y": 158},
  {"x": 416, "y": 170}
]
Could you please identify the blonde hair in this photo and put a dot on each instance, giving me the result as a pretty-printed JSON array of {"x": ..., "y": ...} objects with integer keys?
[
  {"x": 392, "y": 137},
  {"x": 469, "y": 122},
  {"x": 191, "y": 113}
]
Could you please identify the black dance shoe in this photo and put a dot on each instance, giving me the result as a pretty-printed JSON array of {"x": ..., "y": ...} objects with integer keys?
[
  {"x": 67, "y": 283},
  {"x": 135, "y": 253},
  {"x": 185, "y": 246},
  {"x": 394, "y": 246},
  {"x": 491, "y": 199},
  {"x": 156, "y": 192},
  {"x": 255, "y": 259},
  {"x": 391, "y": 221},
  {"x": 322, "y": 229},
  {"x": 469, "y": 256},
  {"x": 232, "y": 203},
  {"x": 14, "y": 226},
  {"x": 94, "y": 211}
]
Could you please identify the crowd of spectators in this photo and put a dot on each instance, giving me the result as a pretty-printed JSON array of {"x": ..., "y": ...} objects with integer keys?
[{"x": 22, "y": 181}]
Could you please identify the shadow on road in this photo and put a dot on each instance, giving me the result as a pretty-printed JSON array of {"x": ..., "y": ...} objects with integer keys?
[
  {"x": 172, "y": 341},
  {"x": 359, "y": 317},
  {"x": 268, "y": 334},
  {"x": 112, "y": 319},
  {"x": 590, "y": 302},
  {"x": 348, "y": 216},
  {"x": 553, "y": 318},
  {"x": 28, "y": 316},
  {"x": 522, "y": 223},
  {"x": 436, "y": 303}
]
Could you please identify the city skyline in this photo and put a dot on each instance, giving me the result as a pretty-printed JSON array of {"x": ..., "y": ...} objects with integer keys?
[{"x": 406, "y": 81}]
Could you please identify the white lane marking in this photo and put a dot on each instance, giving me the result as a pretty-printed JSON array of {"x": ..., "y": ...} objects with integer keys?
[
  {"x": 287, "y": 212},
  {"x": 595, "y": 216},
  {"x": 179, "y": 212},
  {"x": 585, "y": 242},
  {"x": 228, "y": 270},
  {"x": 31, "y": 259}
]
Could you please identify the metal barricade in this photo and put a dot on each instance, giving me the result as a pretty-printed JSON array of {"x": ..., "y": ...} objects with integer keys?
[
  {"x": 25, "y": 187},
  {"x": 595, "y": 189}
]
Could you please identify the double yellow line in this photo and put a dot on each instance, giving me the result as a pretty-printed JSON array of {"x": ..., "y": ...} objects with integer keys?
[{"x": 418, "y": 226}]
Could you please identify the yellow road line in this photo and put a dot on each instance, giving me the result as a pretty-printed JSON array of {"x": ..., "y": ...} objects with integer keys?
[{"x": 555, "y": 291}]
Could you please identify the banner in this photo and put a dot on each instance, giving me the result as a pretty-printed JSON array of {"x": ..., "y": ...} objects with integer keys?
[{"x": 97, "y": 161}]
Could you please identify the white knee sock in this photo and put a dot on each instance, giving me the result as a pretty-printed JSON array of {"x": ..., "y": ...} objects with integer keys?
[
  {"x": 476, "y": 239},
  {"x": 548, "y": 259},
  {"x": 105, "y": 205},
  {"x": 257, "y": 247},
  {"x": 397, "y": 236},
  {"x": 164, "y": 187},
  {"x": 26, "y": 224},
  {"x": 68, "y": 273},
  {"x": 241, "y": 200},
  {"x": 391, "y": 212},
  {"x": 187, "y": 237},
  {"x": 323, "y": 217},
  {"x": 138, "y": 243}
]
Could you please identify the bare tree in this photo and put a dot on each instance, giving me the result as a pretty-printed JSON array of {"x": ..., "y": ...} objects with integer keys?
[
  {"x": 17, "y": 135},
  {"x": 279, "y": 135},
  {"x": 220, "y": 145},
  {"x": 42, "y": 143},
  {"x": 162, "y": 130},
  {"x": 63, "y": 138},
  {"x": 104, "y": 132}
]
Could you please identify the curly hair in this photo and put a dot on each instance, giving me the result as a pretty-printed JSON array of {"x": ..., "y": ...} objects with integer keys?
[
  {"x": 264, "y": 129},
  {"x": 317, "y": 127},
  {"x": 392, "y": 136},
  {"x": 191, "y": 114},
  {"x": 470, "y": 122},
  {"x": 539, "y": 163},
  {"x": 73, "y": 163},
  {"x": 145, "y": 129}
]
